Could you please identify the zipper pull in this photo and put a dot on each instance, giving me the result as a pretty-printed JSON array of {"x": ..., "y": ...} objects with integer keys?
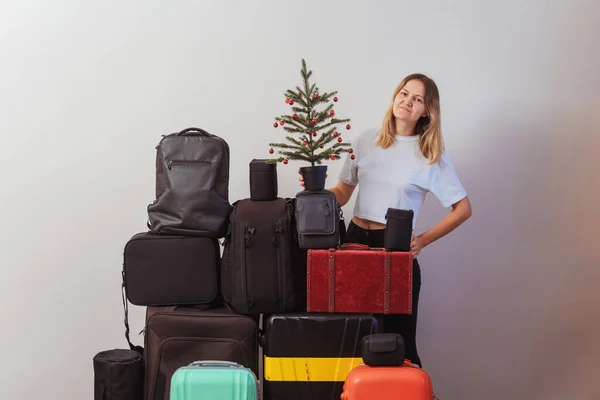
[
  {"x": 276, "y": 234},
  {"x": 327, "y": 209},
  {"x": 169, "y": 164},
  {"x": 247, "y": 238}
]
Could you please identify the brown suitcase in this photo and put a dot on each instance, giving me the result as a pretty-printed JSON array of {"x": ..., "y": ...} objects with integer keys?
[{"x": 179, "y": 335}]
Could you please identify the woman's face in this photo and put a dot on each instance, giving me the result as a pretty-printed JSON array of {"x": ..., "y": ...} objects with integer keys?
[{"x": 409, "y": 103}]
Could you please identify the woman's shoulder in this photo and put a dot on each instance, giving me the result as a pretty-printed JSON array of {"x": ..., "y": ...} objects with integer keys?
[
  {"x": 444, "y": 160},
  {"x": 367, "y": 137},
  {"x": 444, "y": 164}
]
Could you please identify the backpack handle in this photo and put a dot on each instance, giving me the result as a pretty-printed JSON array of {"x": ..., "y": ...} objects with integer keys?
[{"x": 194, "y": 130}]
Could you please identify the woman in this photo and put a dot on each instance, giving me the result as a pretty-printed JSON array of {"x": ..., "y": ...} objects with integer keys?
[{"x": 396, "y": 166}]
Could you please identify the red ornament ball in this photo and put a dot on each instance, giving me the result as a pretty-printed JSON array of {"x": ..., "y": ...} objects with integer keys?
[
  {"x": 348, "y": 126},
  {"x": 275, "y": 124},
  {"x": 322, "y": 146},
  {"x": 350, "y": 150},
  {"x": 294, "y": 116},
  {"x": 271, "y": 151},
  {"x": 335, "y": 99},
  {"x": 314, "y": 133},
  {"x": 352, "y": 156},
  {"x": 287, "y": 101},
  {"x": 314, "y": 121},
  {"x": 331, "y": 112},
  {"x": 316, "y": 96},
  {"x": 340, "y": 139},
  {"x": 304, "y": 143},
  {"x": 291, "y": 102},
  {"x": 333, "y": 157},
  {"x": 285, "y": 161},
  {"x": 336, "y": 133},
  {"x": 281, "y": 123}
]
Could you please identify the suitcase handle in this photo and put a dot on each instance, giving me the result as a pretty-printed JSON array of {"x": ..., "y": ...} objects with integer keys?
[
  {"x": 353, "y": 246},
  {"x": 215, "y": 363},
  {"x": 358, "y": 246}
]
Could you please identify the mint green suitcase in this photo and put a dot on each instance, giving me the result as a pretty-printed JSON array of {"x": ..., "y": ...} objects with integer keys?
[{"x": 214, "y": 380}]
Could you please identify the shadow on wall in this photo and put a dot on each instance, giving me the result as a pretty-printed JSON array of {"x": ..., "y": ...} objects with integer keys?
[{"x": 509, "y": 298}]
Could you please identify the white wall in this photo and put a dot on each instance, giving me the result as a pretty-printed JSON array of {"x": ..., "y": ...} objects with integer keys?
[{"x": 509, "y": 308}]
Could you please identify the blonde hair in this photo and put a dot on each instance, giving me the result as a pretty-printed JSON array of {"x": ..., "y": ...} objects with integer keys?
[{"x": 428, "y": 128}]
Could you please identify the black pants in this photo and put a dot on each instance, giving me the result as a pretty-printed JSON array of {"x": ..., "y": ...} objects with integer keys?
[{"x": 405, "y": 325}]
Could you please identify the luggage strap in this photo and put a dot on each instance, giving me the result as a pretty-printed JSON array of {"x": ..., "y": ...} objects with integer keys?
[
  {"x": 139, "y": 349},
  {"x": 342, "y": 227}
]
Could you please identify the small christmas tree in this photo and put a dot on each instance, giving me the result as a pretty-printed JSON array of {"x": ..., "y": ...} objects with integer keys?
[{"x": 315, "y": 129}]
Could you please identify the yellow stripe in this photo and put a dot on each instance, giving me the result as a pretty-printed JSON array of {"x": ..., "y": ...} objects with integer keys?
[{"x": 301, "y": 369}]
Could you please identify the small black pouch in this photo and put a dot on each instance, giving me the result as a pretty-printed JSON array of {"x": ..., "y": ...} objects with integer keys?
[
  {"x": 118, "y": 375},
  {"x": 319, "y": 220},
  {"x": 383, "y": 349},
  {"x": 263, "y": 180},
  {"x": 398, "y": 229}
]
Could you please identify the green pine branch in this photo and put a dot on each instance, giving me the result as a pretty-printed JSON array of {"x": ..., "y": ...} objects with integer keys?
[
  {"x": 297, "y": 127},
  {"x": 299, "y": 148}
]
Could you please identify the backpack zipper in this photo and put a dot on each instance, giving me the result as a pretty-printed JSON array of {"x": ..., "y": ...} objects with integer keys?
[
  {"x": 280, "y": 259},
  {"x": 171, "y": 162},
  {"x": 245, "y": 241}
]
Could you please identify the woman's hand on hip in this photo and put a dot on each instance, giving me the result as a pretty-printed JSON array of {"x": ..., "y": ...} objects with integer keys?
[{"x": 416, "y": 245}]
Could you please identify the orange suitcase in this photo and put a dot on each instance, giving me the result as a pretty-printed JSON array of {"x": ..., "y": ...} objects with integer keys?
[{"x": 406, "y": 382}]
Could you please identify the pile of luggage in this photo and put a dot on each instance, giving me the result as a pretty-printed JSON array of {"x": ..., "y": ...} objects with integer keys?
[{"x": 283, "y": 259}]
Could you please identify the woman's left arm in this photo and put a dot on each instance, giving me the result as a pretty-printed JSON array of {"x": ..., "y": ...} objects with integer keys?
[{"x": 461, "y": 211}]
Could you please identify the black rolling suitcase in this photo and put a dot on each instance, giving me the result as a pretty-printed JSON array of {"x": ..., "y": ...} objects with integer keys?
[
  {"x": 171, "y": 269},
  {"x": 308, "y": 356},
  {"x": 263, "y": 270}
]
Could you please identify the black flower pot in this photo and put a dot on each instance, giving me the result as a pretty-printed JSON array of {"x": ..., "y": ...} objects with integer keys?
[{"x": 314, "y": 177}]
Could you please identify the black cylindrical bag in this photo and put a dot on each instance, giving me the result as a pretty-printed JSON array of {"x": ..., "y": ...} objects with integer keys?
[
  {"x": 263, "y": 180},
  {"x": 398, "y": 229},
  {"x": 118, "y": 375},
  {"x": 383, "y": 350}
]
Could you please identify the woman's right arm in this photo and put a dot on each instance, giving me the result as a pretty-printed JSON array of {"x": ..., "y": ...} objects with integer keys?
[{"x": 343, "y": 192}]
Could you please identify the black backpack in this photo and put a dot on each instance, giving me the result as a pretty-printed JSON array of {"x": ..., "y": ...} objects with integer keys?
[
  {"x": 263, "y": 270},
  {"x": 192, "y": 185}
]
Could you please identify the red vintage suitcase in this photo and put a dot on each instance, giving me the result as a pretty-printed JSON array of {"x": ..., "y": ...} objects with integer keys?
[{"x": 354, "y": 278}]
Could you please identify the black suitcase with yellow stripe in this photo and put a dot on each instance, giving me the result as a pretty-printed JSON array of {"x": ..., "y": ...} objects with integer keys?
[{"x": 309, "y": 355}]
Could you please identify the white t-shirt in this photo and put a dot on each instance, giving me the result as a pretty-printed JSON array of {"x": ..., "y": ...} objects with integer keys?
[{"x": 397, "y": 177}]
